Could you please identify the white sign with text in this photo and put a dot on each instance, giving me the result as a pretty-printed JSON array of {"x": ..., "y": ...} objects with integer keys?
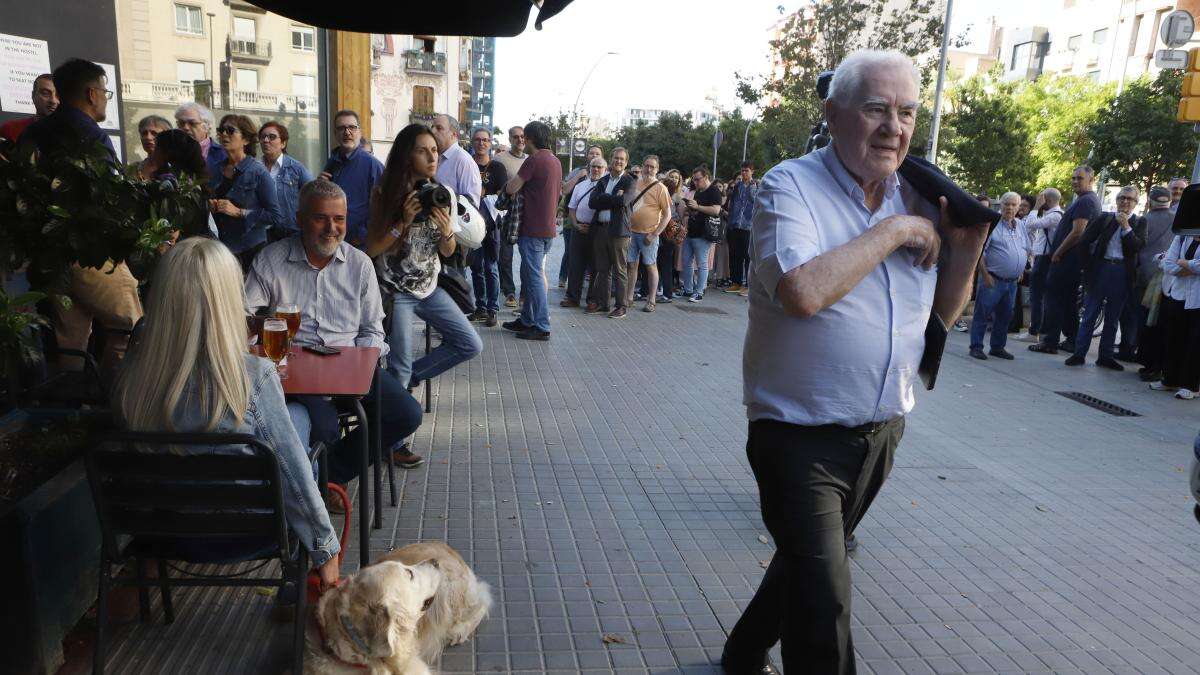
[{"x": 22, "y": 59}]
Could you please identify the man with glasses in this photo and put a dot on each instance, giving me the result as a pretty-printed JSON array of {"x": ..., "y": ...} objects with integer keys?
[
  {"x": 45, "y": 101},
  {"x": 198, "y": 122},
  {"x": 512, "y": 159},
  {"x": 354, "y": 170},
  {"x": 581, "y": 245},
  {"x": 1110, "y": 269},
  {"x": 485, "y": 268},
  {"x": 107, "y": 296}
]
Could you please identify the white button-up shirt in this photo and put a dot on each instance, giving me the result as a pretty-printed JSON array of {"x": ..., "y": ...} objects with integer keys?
[
  {"x": 855, "y": 361},
  {"x": 1041, "y": 230},
  {"x": 579, "y": 200}
]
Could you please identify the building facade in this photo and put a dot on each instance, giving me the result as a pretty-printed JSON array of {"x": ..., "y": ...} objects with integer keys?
[
  {"x": 414, "y": 78},
  {"x": 483, "y": 83},
  {"x": 227, "y": 54},
  {"x": 1104, "y": 40},
  {"x": 632, "y": 116}
]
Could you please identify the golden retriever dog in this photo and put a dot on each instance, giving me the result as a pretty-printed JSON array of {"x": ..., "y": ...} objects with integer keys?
[
  {"x": 395, "y": 616},
  {"x": 460, "y": 604},
  {"x": 370, "y": 622}
]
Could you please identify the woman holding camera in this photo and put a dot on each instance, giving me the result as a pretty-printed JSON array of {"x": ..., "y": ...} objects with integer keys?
[{"x": 407, "y": 235}]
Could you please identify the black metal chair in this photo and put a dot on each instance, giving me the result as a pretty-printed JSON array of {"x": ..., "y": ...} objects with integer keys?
[{"x": 155, "y": 503}]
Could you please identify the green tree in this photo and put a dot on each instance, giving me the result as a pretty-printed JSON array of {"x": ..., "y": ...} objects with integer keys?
[
  {"x": 1137, "y": 140},
  {"x": 985, "y": 138},
  {"x": 1057, "y": 112},
  {"x": 819, "y": 37}
]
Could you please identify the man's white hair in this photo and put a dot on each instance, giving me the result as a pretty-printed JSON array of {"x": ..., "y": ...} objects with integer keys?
[
  {"x": 1053, "y": 196},
  {"x": 1010, "y": 195},
  {"x": 850, "y": 73},
  {"x": 204, "y": 113}
]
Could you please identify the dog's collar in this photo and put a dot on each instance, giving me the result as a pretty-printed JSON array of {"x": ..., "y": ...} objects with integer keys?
[{"x": 351, "y": 633}]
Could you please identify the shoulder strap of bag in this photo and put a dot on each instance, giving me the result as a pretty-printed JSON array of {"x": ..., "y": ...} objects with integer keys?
[{"x": 641, "y": 194}]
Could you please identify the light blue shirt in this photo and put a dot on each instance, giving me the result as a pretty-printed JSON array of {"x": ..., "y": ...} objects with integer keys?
[
  {"x": 855, "y": 361},
  {"x": 340, "y": 305},
  {"x": 458, "y": 171},
  {"x": 1007, "y": 250}
]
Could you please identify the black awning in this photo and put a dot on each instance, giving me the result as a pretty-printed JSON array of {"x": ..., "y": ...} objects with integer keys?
[{"x": 477, "y": 18}]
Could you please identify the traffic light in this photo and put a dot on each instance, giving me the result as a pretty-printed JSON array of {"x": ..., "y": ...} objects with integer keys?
[{"x": 1189, "y": 95}]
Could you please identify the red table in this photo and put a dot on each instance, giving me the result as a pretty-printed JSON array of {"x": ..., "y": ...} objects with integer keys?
[{"x": 346, "y": 376}]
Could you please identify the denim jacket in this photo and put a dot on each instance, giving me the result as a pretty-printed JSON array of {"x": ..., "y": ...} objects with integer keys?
[
  {"x": 267, "y": 418},
  {"x": 253, "y": 190},
  {"x": 290, "y": 176}
]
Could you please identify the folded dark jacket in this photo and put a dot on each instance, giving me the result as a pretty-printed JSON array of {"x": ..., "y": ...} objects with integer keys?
[{"x": 931, "y": 183}]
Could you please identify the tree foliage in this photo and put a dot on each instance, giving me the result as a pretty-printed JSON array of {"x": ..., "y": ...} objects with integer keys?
[
  {"x": 1137, "y": 140},
  {"x": 819, "y": 37},
  {"x": 1057, "y": 112},
  {"x": 985, "y": 139}
]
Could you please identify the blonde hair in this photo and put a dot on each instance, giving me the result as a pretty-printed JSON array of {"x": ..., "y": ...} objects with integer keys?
[{"x": 195, "y": 332}]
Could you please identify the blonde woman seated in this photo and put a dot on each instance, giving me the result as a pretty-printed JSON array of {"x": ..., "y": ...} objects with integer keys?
[{"x": 190, "y": 372}]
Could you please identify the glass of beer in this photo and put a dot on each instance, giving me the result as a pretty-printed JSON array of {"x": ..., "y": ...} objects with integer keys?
[
  {"x": 291, "y": 315},
  {"x": 275, "y": 342}
]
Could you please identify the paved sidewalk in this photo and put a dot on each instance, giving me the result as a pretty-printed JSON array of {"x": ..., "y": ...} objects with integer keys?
[{"x": 599, "y": 483}]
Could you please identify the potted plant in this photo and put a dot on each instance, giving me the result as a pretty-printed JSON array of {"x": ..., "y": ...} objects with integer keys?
[{"x": 60, "y": 210}]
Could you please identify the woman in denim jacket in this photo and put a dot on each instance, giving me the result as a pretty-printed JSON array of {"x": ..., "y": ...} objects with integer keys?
[
  {"x": 244, "y": 202},
  {"x": 289, "y": 174},
  {"x": 191, "y": 372}
]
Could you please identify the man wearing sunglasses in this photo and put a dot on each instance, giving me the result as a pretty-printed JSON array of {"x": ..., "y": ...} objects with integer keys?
[
  {"x": 354, "y": 170},
  {"x": 107, "y": 296}
]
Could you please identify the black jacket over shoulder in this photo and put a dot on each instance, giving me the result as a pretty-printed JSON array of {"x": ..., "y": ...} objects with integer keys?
[
  {"x": 617, "y": 205},
  {"x": 1100, "y": 230}
]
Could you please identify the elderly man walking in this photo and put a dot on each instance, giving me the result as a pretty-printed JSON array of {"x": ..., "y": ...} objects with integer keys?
[
  {"x": 843, "y": 283},
  {"x": 1004, "y": 258}
]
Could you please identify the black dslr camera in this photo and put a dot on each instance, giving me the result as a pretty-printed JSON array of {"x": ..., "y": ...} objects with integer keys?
[
  {"x": 820, "y": 132},
  {"x": 431, "y": 196}
]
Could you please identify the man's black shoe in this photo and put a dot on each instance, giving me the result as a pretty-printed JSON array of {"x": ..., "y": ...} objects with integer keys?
[
  {"x": 516, "y": 326},
  {"x": 534, "y": 334},
  {"x": 1043, "y": 348},
  {"x": 978, "y": 354},
  {"x": 477, "y": 315},
  {"x": 1147, "y": 375},
  {"x": 490, "y": 321},
  {"x": 733, "y": 666},
  {"x": 1074, "y": 360},
  {"x": 851, "y": 545},
  {"x": 1111, "y": 364},
  {"x": 1001, "y": 354},
  {"x": 1067, "y": 346}
]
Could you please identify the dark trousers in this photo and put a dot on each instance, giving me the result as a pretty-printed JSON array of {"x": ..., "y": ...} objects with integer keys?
[
  {"x": 1181, "y": 367},
  {"x": 1106, "y": 293},
  {"x": 815, "y": 484},
  {"x": 739, "y": 254},
  {"x": 401, "y": 418},
  {"x": 564, "y": 263},
  {"x": 1061, "y": 312},
  {"x": 1037, "y": 291},
  {"x": 666, "y": 267},
  {"x": 507, "y": 285},
  {"x": 609, "y": 254},
  {"x": 1133, "y": 322},
  {"x": 1152, "y": 340},
  {"x": 580, "y": 253}
]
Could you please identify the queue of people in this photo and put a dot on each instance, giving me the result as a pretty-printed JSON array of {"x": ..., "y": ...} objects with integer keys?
[{"x": 1116, "y": 274}]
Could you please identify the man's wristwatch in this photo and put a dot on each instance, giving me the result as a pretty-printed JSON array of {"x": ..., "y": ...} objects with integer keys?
[{"x": 394, "y": 232}]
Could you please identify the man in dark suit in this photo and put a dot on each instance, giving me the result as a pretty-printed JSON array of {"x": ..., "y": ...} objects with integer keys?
[
  {"x": 610, "y": 235},
  {"x": 1112, "y": 242}
]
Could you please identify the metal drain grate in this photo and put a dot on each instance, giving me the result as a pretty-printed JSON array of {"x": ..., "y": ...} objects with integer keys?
[
  {"x": 1102, "y": 406},
  {"x": 701, "y": 310}
]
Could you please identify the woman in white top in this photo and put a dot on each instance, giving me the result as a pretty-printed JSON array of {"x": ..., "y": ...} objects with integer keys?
[
  {"x": 1181, "y": 309},
  {"x": 407, "y": 243}
]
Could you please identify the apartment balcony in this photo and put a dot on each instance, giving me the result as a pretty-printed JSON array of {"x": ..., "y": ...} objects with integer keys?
[
  {"x": 282, "y": 103},
  {"x": 147, "y": 91},
  {"x": 254, "y": 51},
  {"x": 417, "y": 61}
]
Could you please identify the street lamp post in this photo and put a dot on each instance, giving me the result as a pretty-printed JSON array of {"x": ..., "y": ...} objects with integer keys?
[
  {"x": 746, "y": 139},
  {"x": 575, "y": 112},
  {"x": 212, "y": 62},
  {"x": 936, "y": 123}
]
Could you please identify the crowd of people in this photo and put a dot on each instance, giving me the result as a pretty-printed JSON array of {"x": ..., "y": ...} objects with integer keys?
[
  {"x": 1082, "y": 266},
  {"x": 358, "y": 249}
]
